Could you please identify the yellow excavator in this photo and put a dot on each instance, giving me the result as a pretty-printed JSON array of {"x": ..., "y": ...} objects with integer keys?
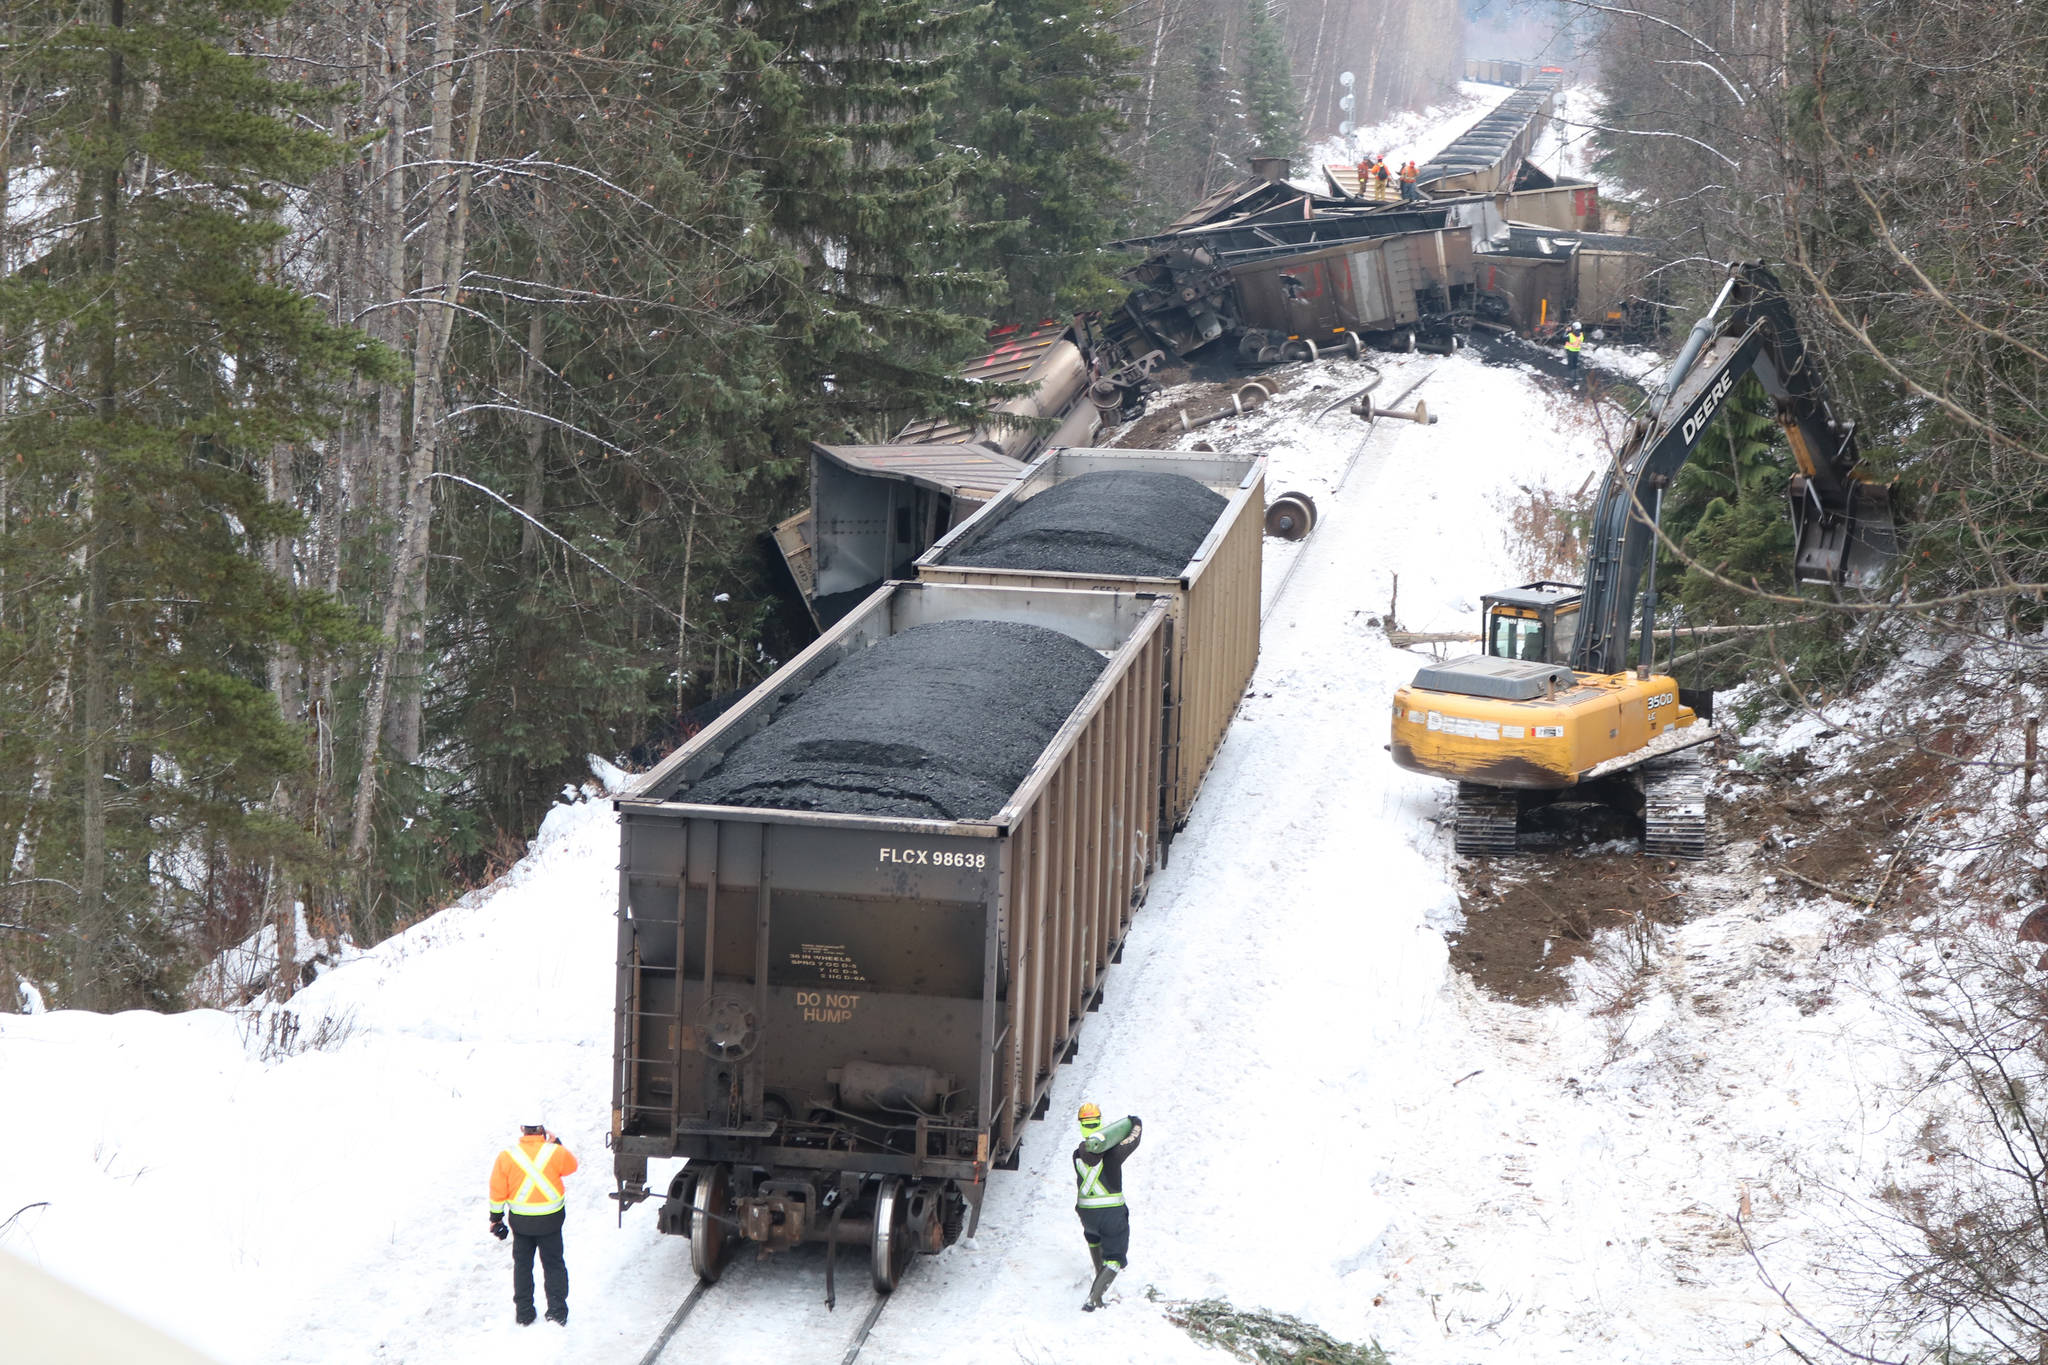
[{"x": 1551, "y": 705}]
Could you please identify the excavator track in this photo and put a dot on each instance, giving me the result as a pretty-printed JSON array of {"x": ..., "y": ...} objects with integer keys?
[
  {"x": 1487, "y": 817},
  {"x": 1675, "y": 805}
]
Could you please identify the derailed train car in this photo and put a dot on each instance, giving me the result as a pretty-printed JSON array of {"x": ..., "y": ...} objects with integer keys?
[
  {"x": 875, "y": 508},
  {"x": 1507, "y": 71},
  {"x": 1280, "y": 273}
]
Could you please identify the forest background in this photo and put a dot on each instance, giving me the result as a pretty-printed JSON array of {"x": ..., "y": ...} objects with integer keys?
[{"x": 393, "y": 397}]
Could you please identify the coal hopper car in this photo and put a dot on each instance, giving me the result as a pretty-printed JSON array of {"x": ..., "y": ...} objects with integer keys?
[
  {"x": 1106, "y": 520},
  {"x": 842, "y": 1007}
]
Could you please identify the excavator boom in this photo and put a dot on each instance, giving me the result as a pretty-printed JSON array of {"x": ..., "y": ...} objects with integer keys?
[{"x": 1844, "y": 525}]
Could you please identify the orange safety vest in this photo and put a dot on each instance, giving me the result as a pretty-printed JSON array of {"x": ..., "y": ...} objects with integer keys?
[
  {"x": 527, "y": 1178},
  {"x": 1409, "y": 174}
]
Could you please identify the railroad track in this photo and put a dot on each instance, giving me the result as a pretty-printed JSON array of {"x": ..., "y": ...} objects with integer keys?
[{"x": 749, "y": 1313}]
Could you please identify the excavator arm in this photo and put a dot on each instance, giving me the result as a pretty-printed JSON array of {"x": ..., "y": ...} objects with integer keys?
[{"x": 1844, "y": 524}]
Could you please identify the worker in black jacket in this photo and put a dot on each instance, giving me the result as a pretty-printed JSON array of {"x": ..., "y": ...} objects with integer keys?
[{"x": 1099, "y": 1194}]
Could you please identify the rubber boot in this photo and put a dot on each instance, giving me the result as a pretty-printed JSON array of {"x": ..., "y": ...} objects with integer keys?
[
  {"x": 1095, "y": 1255},
  {"x": 1102, "y": 1282}
]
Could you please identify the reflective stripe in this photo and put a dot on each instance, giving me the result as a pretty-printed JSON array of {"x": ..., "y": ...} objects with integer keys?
[
  {"x": 536, "y": 1179},
  {"x": 1092, "y": 1195}
]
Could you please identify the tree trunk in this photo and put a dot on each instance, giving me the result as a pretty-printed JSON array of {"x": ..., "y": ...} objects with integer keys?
[
  {"x": 1151, "y": 83},
  {"x": 96, "y": 927},
  {"x": 441, "y": 270},
  {"x": 532, "y": 501}
]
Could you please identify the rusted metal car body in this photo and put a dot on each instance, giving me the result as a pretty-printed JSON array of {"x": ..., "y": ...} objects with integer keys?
[
  {"x": 1280, "y": 272},
  {"x": 1384, "y": 291}
]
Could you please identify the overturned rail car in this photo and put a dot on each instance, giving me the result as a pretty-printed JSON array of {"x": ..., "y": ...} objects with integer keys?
[
  {"x": 843, "y": 1021},
  {"x": 875, "y": 508},
  {"x": 1283, "y": 273},
  {"x": 1279, "y": 272},
  {"x": 1213, "y": 602}
]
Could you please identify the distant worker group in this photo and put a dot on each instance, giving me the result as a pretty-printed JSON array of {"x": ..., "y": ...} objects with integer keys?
[{"x": 1376, "y": 181}]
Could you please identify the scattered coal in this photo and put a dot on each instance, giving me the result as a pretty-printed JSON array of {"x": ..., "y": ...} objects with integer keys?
[
  {"x": 939, "y": 722},
  {"x": 1128, "y": 523}
]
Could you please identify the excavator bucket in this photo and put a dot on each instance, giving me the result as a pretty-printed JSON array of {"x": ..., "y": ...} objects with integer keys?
[{"x": 1849, "y": 546}]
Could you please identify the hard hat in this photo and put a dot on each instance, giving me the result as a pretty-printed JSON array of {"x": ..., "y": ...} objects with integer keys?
[
  {"x": 532, "y": 1111},
  {"x": 1091, "y": 1115}
]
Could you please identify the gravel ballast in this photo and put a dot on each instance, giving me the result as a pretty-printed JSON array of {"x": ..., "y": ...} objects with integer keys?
[
  {"x": 939, "y": 722},
  {"x": 1122, "y": 523}
]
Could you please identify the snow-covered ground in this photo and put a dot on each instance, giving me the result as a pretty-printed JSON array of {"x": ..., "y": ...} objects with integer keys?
[{"x": 1338, "y": 1125}]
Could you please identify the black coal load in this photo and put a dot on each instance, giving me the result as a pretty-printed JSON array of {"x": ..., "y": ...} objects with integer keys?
[
  {"x": 939, "y": 722},
  {"x": 1123, "y": 523}
]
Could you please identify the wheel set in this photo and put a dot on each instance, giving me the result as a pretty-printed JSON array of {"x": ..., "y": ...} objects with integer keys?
[{"x": 906, "y": 1218}]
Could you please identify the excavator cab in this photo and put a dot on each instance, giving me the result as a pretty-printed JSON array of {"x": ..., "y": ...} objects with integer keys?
[{"x": 1536, "y": 622}]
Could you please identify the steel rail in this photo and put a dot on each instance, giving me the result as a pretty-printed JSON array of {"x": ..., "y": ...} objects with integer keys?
[{"x": 701, "y": 1289}]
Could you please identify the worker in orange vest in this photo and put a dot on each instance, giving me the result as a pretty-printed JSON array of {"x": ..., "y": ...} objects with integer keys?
[
  {"x": 1382, "y": 181},
  {"x": 1364, "y": 169},
  {"x": 1409, "y": 175},
  {"x": 527, "y": 1193}
]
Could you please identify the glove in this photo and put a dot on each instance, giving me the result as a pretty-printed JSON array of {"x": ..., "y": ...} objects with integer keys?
[{"x": 498, "y": 1228}]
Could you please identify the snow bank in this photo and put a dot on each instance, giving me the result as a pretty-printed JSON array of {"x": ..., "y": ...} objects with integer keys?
[{"x": 247, "y": 1201}]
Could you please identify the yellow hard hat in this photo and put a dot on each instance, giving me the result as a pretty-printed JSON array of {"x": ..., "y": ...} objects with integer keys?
[{"x": 1091, "y": 1115}]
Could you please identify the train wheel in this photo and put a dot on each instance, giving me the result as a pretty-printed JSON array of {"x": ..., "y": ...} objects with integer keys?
[
  {"x": 710, "y": 1207},
  {"x": 1290, "y": 516},
  {"x": 892, "y": 1243}
]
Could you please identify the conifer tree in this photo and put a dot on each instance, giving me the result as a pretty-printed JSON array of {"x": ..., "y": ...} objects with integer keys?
[
  {"x": 623, "y": 351},
  {"x": 840, "y": 102},
  {"x": 168, "y": 357},
  {"x": 1726, "y": 508},
  {"x": 1041, "y": 109},
  {"x": 1272, "y": 106}
]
